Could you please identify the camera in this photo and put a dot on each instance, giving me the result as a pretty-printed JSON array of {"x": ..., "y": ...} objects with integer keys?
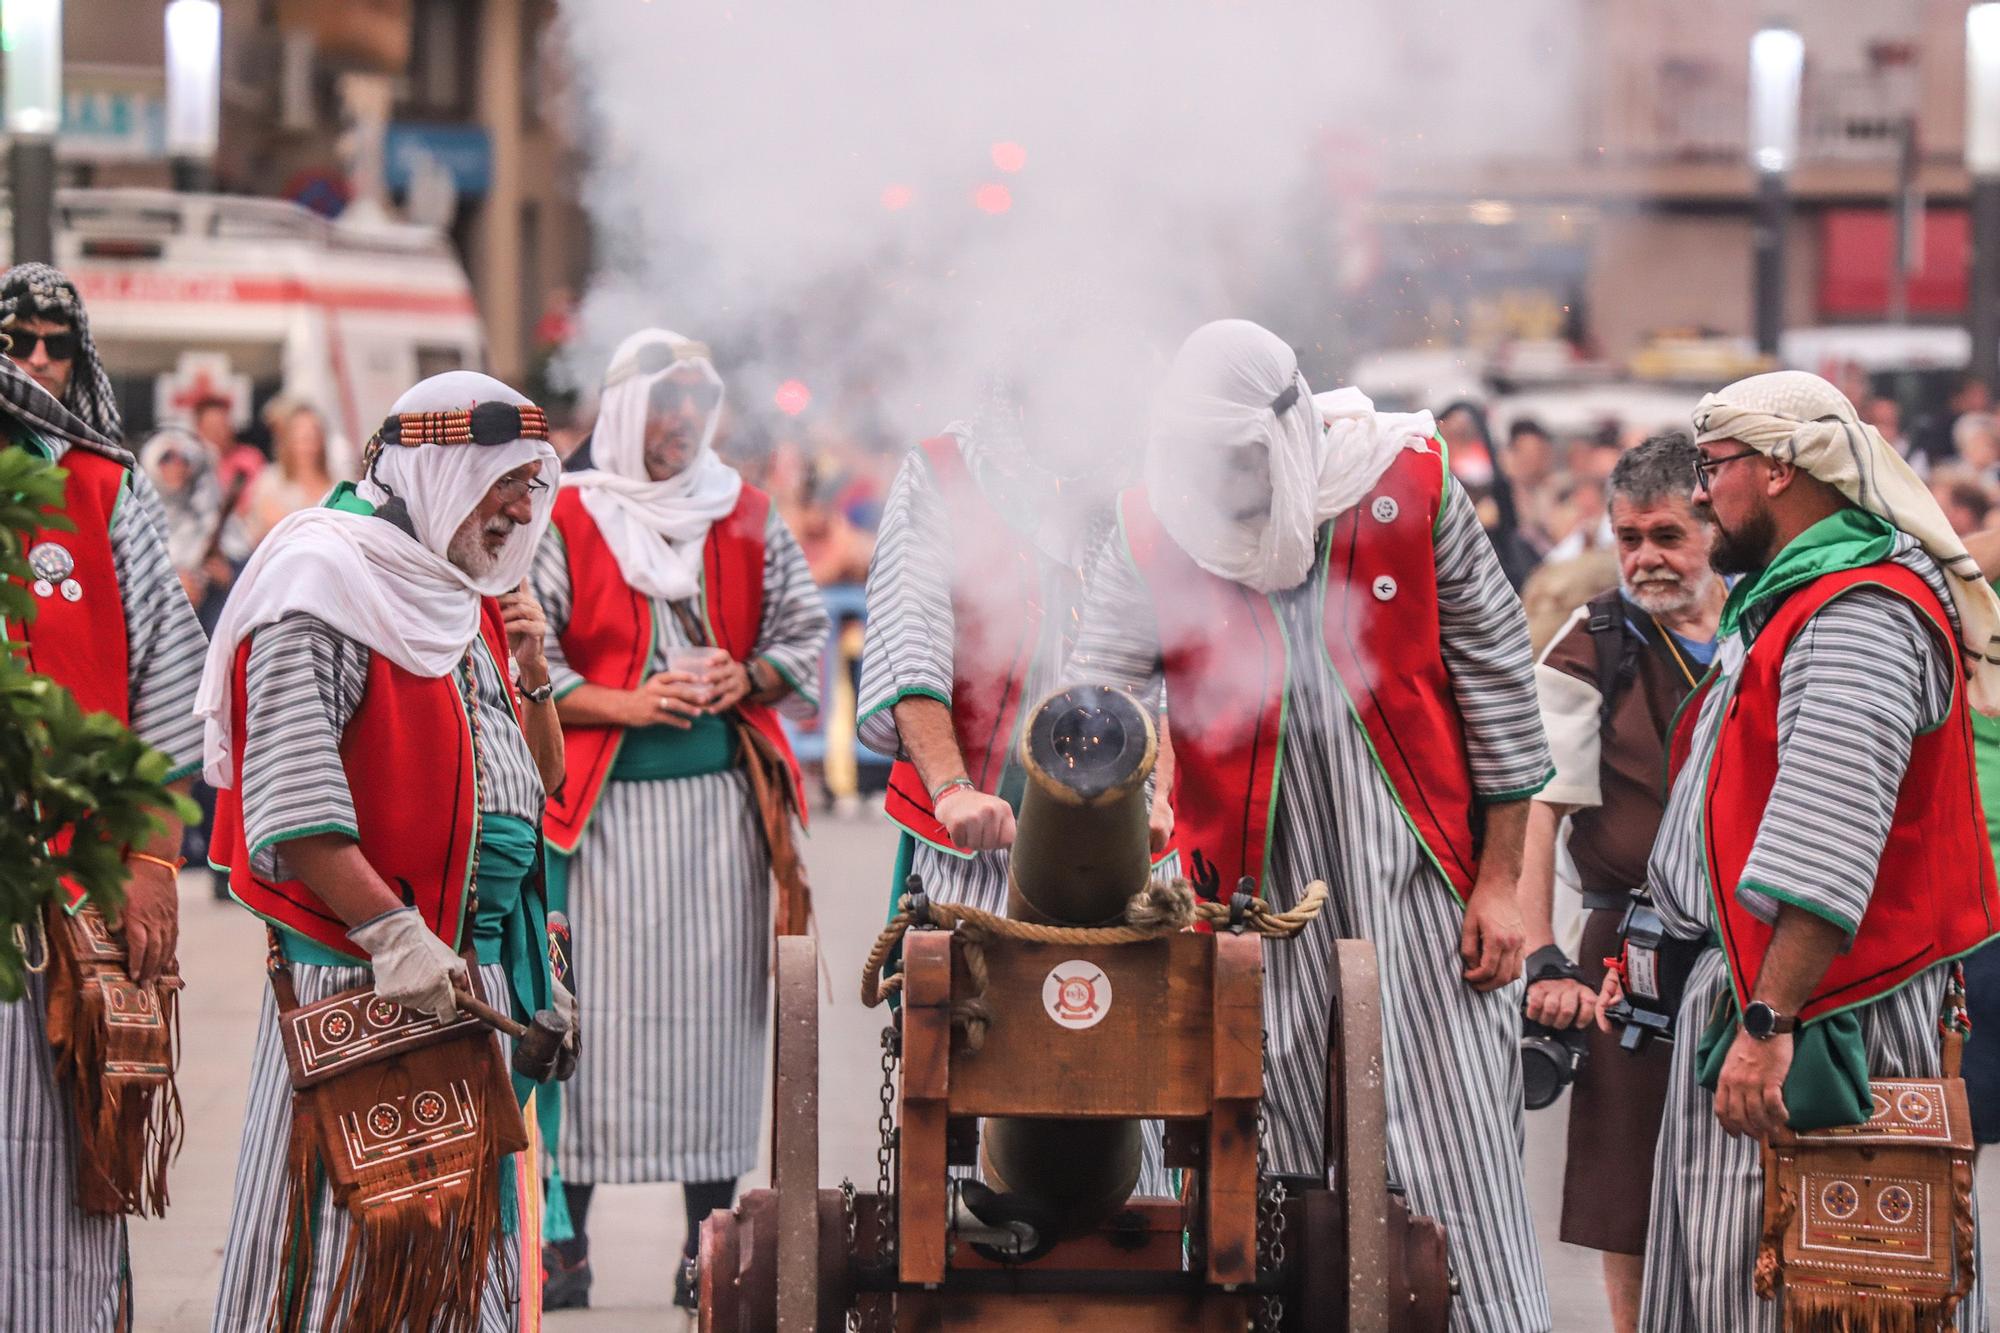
[
  {"x": 1550, "y": 1059},
  {"x": 1656, "y": 973}
]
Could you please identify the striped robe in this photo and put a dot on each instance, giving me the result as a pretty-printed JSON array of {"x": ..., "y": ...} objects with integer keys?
[
  {"x": 908, "y": 653},
  {"x": 304, "y": 681},
  {"x": 60, "y": 1268},
  {"x": 1453, "y": 1074},
  {"x": 670, "y": 901},
  {"x": 1855, "y": 688}
]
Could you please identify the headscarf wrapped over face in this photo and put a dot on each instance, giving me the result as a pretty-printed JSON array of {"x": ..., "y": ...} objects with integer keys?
[
  {"x": 1798, "y": 418},
  {"x": 37, "y": 291},
  {"x": 193, "y": 509},
  {"x": 655, "y": 529},
  {"x": 1235, "y": 390},
  {"x": 368, "y": 577}
]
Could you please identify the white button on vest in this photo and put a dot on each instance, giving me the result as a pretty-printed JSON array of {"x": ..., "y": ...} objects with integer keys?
[
  {"x": 1384, "y": 509},
  {"x": 1385, "y": 588}
]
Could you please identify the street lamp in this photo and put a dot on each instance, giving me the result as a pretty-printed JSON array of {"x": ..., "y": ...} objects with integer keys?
[
  {"x": 31, "y": 37},
  {"x": 194, "y": 90},
  {"x": 1777, "y": 60},
  {"x": 1982, "y": 162}
]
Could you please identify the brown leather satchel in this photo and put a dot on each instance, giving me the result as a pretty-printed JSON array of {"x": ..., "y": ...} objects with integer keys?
[
  {"x": 407, "y": 1117},
  {"x": 116, "y": 1045},
  {"x": 1868, "y": 1228}
]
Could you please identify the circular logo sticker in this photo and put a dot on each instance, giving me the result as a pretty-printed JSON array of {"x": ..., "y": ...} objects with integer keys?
[{"x": 1077, "y": 994}]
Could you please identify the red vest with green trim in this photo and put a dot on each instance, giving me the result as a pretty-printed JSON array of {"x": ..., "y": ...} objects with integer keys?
[
  {"x": 993, "y": 568},
  {"x": 609, "y": 639},
  {"x": 407, "y": 753},
  {"x": 1224, "y": 654},
  {"x": 1934, "y": 895},
  {"x": 82, "y": 644}
]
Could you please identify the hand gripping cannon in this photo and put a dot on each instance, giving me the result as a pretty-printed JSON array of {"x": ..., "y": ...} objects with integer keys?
[{"x": 1032, "y": 1049}]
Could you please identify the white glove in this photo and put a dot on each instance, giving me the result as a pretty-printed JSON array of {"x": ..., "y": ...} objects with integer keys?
[
  {"x": 412, "y": 966},
  {"x": 564, "y": 1004}
]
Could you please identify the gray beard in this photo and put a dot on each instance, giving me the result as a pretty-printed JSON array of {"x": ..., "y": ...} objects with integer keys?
[
  {"x": 1660, "y": 601},
  {"x": 468, "y": 550}
]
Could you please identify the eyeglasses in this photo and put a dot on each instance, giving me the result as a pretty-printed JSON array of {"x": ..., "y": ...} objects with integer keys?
[
  {"x": 60, "y": 346},
  {"x": 510, "y": 489},
  {"x": 672, "y": 395},
  {"x": 1705, "y": 468}
]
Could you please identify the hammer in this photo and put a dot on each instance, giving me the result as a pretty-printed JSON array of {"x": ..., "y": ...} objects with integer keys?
[{"x": 537, "y": 1043}]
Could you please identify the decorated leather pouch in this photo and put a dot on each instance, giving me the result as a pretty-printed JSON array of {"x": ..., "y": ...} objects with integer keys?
[
  {"x": 1869, "y": 1226},
  {"x": 115, "y": 1044},
  {"x": 407, "y": 1118}
]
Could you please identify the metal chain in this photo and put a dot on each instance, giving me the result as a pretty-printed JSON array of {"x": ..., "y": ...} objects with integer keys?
[
  {"x": 1271, "y": 1195},
  {"x": 847, "y": 1214},
  {"x": 885, "y": 1149}
]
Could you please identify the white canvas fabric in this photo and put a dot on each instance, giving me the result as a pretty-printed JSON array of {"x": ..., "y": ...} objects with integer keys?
[
  {"x": 1325, "y": 452},
  {"x": 655, "y": 529}
]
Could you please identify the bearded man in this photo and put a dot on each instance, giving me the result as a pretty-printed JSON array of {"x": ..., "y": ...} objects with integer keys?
[
  {"x": 682, "y": 619},
  {"x": 113, "y": 628},
  {"x": 1352, "y": 698},
  {"x": 1611, "y": 683},
  {"x": 372, "y": 647},
  {"x": 1823, "y": 833}
]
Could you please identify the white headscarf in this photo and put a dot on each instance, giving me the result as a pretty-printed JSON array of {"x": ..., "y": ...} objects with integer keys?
[
  {"x": 655, "y": 529},
  {"x": 1326, "y": 452},
  {"x": 1798, "y": 418},
  {"x": 365, "y": 577}
]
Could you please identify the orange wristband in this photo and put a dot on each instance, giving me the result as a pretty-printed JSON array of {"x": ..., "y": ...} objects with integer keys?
[{"x": 173, "y": 865}]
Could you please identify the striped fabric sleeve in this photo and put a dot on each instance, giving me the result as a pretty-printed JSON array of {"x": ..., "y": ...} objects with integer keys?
[
  {"x": 908, "y": 647},
  {"x": 550, "y": 577},
  {"x": 304, "y": 683},
  {"x": 1858, "y": 684},
  {"x": 1486, "y": 653},
  {"x": 165, "y": 642},
  {"x": 1119, "y": 639},
  {"x": 792, "y": 634}
]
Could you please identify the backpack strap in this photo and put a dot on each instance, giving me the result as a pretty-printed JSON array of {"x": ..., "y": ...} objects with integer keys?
[{"x": 1617, "y": 651}]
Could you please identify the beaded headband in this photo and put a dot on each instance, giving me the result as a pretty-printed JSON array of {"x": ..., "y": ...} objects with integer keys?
[
  {"x": 654, "y": 357},
  {"x": 484, "y": 423}
]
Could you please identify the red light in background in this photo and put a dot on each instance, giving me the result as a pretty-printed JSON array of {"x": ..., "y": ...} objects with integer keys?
[
  {"x": 1009, "y": 156},
  {"x": 993, "y": 198},
  {"x": 792, "y": 397},
  {"x": 895, "y": 198}
]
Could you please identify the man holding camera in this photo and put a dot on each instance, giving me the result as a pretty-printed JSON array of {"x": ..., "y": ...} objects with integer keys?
[
  {"x": 1823, "y": 829},
  {"x": 1610, "y": 683}
]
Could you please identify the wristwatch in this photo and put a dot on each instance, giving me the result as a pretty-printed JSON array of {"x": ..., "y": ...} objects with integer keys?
[
  {"x": 1763, "y": 1022},
  {"x": 542, "y": 693}
]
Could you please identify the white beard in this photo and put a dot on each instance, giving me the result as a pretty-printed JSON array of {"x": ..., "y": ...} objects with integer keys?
[
  {"x": 468, "y": 547},
  {"x": 1669, "y": 599}
]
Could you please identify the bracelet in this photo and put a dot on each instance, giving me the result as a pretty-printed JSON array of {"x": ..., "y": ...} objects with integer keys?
[
  {"x": 938, "y": 792},
  {"x": 174, "y": 865}
]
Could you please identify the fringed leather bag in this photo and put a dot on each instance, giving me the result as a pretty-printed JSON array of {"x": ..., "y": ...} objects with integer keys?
[
  {"x": 407, "y": 1118},
  {"x": 116, "y": 1045},
  {"x": 1868, "y": 1228}
]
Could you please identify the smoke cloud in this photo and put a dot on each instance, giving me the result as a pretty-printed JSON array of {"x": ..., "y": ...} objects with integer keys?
[{"x": 877, "y": 207}]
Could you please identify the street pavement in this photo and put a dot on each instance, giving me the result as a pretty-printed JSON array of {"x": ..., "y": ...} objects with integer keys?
[{"x": 636, "y": 1231}]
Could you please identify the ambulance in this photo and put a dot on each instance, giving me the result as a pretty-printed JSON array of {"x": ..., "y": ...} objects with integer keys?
[{"x": 197, "y": 296}]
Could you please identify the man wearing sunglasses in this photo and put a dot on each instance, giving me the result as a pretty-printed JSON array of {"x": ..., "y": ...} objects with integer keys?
[
  {"x": 1823, "y": 829},
  {"x": 369, "y": 644},
  {"x": 51, "y": 343},
  {"x": 682, "y": 619},
  {"x": 113, "y": 628}
]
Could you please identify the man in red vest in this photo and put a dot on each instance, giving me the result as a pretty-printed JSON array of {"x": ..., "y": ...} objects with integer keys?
[
  {"x": 113, "y": 627},
  {"x": 1352, "y": 699},
  {"x": 682, "y": 619},
  {"x": 381, "y": 737},
  {"x": 1823, "y": 829},
  {"x": 973, "y": 599}
]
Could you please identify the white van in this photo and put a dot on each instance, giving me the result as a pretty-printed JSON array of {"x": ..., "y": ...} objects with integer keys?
[{"x": 194, "y": 296}]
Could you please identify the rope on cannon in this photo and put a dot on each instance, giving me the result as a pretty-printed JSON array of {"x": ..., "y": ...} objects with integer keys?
[{"x": 1162, "y": 908}]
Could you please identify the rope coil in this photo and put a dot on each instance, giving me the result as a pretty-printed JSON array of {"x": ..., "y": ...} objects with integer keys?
[{"x": 1157, "y": 911}]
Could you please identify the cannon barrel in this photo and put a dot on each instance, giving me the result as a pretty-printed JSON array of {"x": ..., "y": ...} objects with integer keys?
[{"x": 1080, "y": 853}]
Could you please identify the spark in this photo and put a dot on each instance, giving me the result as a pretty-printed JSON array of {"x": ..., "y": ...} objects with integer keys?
[
  {"x": 895, "y": 198},
  {"x": 993, "y": 198},
  {"x": 792, "y": 397},
  {"x": 1009, "y": 156}
]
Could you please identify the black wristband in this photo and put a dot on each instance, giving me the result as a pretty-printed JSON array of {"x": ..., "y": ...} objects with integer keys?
[{"x": 1550, "y": 963}]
